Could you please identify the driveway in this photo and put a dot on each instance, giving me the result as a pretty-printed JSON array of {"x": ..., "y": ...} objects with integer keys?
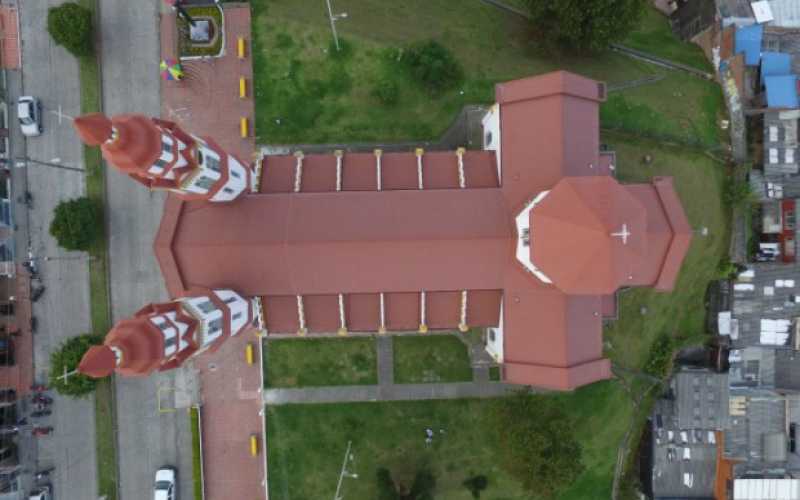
[{"x": 147, "y": 438}]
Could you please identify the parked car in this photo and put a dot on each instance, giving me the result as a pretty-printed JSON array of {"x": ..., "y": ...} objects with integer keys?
[
  {"x": 41, "y": 493},
  {"x": 29, "y": 113},
  {"x": 165, "y": 487}
]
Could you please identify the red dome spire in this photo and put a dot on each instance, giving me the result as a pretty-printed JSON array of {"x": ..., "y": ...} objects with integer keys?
[
  {"x": 94, "y": 129},
  {"x": 99, "y": 361}
]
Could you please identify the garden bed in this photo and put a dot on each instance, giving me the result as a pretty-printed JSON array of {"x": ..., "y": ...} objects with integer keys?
[{"x": 189, "y": 49}]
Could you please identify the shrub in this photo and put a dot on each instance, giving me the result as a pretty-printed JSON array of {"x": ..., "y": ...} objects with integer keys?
[
  {"x": 66, "y": 358},
  {"x": 77, "y": 224},
  {"x": 660, "y": 357},
  {"x": 387, "y": 91},
  {"x": 70, "y": 25},
  {"x": 737, "y": 192},
  {"x": 433, "y": 66}
]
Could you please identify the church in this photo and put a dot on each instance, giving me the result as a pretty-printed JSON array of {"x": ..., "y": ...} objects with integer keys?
[{"x": 529, "y": 237}]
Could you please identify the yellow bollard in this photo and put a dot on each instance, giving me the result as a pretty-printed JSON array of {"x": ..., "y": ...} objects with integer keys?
[
  {"x": 242, "y": 87},
  {"x": 253, "y": 445},
  {"x": 240, "y": 45},
  {"x": 243, "y": 127},
  {"x": 248, "y": 353}
]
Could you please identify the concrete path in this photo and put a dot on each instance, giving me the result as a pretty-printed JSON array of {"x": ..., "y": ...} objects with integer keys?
[
  {"x": 147, "y": 438},
  {"x": 395, "y": 392},
  {"x": 385, "y": 348},
  {"x": 63, "y": 311}
]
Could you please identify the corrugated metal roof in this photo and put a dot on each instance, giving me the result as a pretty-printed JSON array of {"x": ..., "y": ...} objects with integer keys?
[
  {"x": 774, "y": 64},
  {"x": 782, "y": 91},
  {"x": 748, "y": 41}
]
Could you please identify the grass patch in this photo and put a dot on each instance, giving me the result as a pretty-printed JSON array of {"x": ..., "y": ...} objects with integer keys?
[
  {"x": 185, "y": 46},
  {"x": 654, "y": 36},
  {"x": 197, "y": 457},
  {"x": 321, "y": 362},
  {"x": 494, "y": 373},
  {"x": 106, "y": 437},
  {"x": 299, "y": 98},
  {"x": 434, "y": 358},
  {"x": 681, "y": 313},
  {"x": 307, "y": 443},
  {"x": 107, "y": 469}
]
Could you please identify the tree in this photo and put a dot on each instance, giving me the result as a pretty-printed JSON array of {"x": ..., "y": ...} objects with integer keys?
[
  {"x": 77, "y": 224},
  {"x": 70, "y": 25},
  {"x": 66, "y": 358},
  {"x": 476, "y": 484},
  {"x": 421, "y": 489},
  {"x": 584, "y": 25},
  {"x": 433, "y": 65},
  {"x": 536, "y": 442}
]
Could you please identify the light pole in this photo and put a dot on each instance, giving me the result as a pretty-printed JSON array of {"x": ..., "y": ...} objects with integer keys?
[
  {"x": 344, "y": 473},
  {"x": 23, "y": 162},
  {"x": 333, "y": 18}
]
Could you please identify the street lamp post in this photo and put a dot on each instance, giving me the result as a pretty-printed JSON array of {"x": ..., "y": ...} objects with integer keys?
[
  {"x": 23, "y": 161},
  {"x": 333, "y": 18}
]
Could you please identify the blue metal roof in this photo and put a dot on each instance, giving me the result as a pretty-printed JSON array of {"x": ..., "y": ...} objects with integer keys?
[
  {"x": 748, "y": 40},
  {"x": 775, "y": 64},
  {"x": 782, "y": 91}
]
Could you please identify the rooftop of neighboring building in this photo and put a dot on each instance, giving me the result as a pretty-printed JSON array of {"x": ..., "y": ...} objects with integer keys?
[
  {"x": 684, "y": 451},
  {"x": 757, "y": 418},
  {"x": 761, "y": 295}
]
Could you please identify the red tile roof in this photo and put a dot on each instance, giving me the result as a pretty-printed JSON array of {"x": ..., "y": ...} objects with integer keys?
[
  {"x": 588, "y": 235},
  {"x": 319, "y": 243}
]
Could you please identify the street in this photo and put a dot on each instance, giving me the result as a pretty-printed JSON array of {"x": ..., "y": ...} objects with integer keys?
[
  {"x": 52, "y": 75},
  {"x": 147, "y": 439}
]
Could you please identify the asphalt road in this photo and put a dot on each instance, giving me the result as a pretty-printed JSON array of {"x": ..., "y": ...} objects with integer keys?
[
  {"x": 52, "y": 75},
  {"x": 147, "y": 438}
]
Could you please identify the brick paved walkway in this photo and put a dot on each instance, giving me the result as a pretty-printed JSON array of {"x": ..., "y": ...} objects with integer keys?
[
  {"x": 231, "y": 413},
  {"x": 206, "y": 101}
]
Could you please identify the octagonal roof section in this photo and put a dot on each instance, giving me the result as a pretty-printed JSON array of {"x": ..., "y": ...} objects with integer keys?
[{"x": 588, "y": 235}]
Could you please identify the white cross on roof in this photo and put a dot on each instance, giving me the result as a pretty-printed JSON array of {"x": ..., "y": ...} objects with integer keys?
[{"x": 623, "y": 234}]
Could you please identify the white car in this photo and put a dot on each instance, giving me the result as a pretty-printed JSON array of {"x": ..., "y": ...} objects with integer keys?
[
  {"x": 41, "y": 493},
  {"x": 29, "y": 113},
  {"x": 165, "y": 487}
]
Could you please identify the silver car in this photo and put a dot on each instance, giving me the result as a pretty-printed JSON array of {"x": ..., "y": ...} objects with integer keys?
[{"x": 29, "y": 113}]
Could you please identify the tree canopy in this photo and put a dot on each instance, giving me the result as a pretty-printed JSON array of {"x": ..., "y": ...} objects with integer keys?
[
  {"x": 536, "y": 442},
  {"x": 584, "y": 25},
  {"x": 77, "y": 224},
  {"x": 66, "y": 359},
  {"x": 70, "y": 25}
]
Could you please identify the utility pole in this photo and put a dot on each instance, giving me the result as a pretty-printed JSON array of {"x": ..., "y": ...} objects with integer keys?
[
  {"x": 344, "y": 473},
  {"x": 333, "y": 18}
]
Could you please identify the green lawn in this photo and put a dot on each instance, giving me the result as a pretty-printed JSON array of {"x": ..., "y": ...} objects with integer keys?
[
  {"x": 654, "y": 36},
  {"x": 699, "y": 182},
  {"x": 304, "y": 95},
  {"x": 307, "y": 444},
  {"x": 433, "y": 358},
  {"x": 300, "y": 85},
  {"x": 321, "y": 362}
]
